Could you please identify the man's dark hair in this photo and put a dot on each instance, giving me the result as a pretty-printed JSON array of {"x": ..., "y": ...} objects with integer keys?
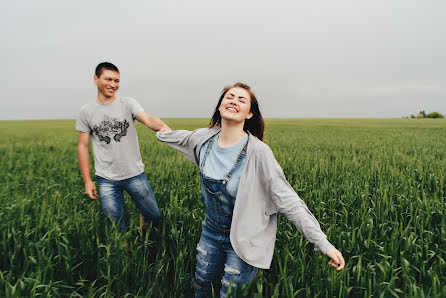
[{"x": 105, "y": 65}]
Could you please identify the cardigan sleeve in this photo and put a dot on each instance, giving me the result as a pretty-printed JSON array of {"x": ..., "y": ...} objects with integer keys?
[
  {"x": 288, "y": 203},
  {"x": 184, "y": 141}
]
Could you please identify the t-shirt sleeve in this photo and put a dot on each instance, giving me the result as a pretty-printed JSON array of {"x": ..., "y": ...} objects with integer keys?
[
  {"x": 135, "y": 107},
  {"x": 82, "y": 121}
]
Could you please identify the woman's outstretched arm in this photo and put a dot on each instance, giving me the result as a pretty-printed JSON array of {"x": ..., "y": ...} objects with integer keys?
[
  {"x": 288, "y": 203},
  {"x": 186, "y": 142}
]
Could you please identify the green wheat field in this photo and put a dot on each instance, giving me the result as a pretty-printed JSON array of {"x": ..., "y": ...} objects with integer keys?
[{"x": 377, "y": 187}]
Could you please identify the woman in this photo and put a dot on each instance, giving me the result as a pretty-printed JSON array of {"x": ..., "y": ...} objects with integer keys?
[{"x": 242, "y": 188}]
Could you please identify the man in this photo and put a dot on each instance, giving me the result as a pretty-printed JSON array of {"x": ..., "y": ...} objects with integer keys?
[{"x": 118, "y": 164}]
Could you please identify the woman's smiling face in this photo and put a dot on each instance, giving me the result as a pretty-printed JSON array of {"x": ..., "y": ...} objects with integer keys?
[{"x": 236, "y": 105}]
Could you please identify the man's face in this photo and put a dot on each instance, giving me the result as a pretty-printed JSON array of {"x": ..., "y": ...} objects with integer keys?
[{"x": 108, "y": 83}]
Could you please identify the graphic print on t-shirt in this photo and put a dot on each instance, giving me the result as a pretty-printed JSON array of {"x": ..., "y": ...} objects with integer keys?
[{"x": 111, "y": 128}]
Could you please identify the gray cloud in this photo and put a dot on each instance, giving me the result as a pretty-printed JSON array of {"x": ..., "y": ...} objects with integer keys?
[{"x": 318, "y": 59}]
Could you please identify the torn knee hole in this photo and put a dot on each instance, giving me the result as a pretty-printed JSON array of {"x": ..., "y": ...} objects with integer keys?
[
  {"x": 227, "y": 283},
  {"x": 204, "y": 263},
  {"x": 232, "y": 270},
  {"x": 201, "y": 250}
]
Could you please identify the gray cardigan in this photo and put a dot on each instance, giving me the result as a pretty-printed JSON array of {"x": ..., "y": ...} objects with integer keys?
[{"x": 262, "y": 193}]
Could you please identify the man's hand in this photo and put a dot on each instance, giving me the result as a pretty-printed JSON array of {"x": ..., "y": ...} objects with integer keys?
[
  {"x": 337, "y": 260},
  {"x": 90, "y": 190},
  {"x": 164, "y": 128}
]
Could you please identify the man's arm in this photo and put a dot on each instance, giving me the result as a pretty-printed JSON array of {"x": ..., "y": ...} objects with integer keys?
[
  {"x": 152, "y": 122},
  {"x": 83, "y": 155}
]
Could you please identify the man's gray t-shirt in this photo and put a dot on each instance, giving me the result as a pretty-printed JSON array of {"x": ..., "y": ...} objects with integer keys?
[{"x": 113, "y": 133}]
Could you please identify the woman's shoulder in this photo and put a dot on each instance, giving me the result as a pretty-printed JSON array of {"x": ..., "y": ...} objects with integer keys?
[
  {"x": 259, "y": 146},
  {"x": 207, "y": 130},
  {"x": 264, "y": 160},
  {"x": 204, "y": 132}
]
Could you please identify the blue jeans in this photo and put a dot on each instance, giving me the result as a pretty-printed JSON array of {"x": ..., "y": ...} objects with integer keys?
[
  {"x": 112, "y": 199},
  {"x": 216, "y": 257}
]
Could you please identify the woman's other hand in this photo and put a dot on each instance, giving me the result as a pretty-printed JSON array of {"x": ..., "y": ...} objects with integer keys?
[{"x": 337, "y": 260}]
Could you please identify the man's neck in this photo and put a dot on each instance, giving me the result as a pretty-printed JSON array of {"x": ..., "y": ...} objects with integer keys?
[{"x": 105, "y": 100}]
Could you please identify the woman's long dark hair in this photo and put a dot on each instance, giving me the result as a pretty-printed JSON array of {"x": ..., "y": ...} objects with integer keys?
[{"x": 255, "y": 125}]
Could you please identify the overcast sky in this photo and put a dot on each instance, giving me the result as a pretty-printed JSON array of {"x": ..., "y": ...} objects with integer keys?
[{"x": 302, "y": 58}]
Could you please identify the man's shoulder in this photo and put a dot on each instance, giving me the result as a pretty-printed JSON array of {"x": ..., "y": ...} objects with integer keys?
[
  {"x": 86, "y": 107},
  {"x": 129, "y": 103},
  {"x": 126, "y": 99}
]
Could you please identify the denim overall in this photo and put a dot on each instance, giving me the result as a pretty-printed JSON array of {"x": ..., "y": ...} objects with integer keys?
[{"x": 214, "y": 251}]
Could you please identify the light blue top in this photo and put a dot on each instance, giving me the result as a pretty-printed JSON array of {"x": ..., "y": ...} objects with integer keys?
[{"x": 221, "y": 160}]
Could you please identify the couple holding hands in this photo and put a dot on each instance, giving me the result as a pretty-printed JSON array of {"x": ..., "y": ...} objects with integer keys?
[{"x": 243, "y": 188}]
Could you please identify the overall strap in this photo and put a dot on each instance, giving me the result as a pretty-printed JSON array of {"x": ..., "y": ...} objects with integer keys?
[
  {"x": 237, "y": 162},
  {"x": 208, "y": 149}
]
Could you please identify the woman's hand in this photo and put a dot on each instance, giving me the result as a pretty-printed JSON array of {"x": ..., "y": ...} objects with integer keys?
[{"x": 337, "y": 260}]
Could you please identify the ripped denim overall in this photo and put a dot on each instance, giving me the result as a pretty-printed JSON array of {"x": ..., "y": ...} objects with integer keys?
[{"x": 215, "y": 254}]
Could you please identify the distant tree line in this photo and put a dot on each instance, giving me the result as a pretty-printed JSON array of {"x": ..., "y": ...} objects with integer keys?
[{"x": 422, "y": 114}]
